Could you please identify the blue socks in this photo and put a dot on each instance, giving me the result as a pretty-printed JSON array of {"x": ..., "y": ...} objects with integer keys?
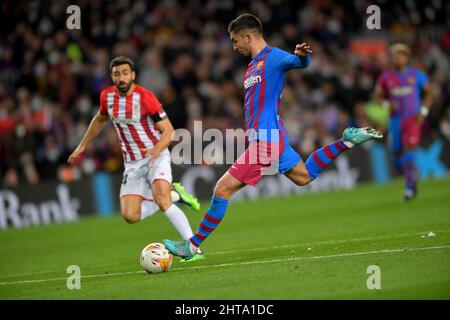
[
  {"x": 210, "y": 221},
  {"x": 407, "y": 164},
  {"x": 321, "y": 158}
]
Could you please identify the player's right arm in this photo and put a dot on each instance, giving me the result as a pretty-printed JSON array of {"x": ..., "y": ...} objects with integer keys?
[{"x": 95, "y": 127}]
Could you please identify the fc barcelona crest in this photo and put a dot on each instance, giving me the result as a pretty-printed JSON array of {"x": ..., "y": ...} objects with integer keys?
[
  {"x": 411, "y": 80},
  {"x": 260, "y": 65}
]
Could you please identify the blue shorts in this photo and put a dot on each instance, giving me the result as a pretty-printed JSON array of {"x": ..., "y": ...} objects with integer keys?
[{"x": 288, "y": 159}]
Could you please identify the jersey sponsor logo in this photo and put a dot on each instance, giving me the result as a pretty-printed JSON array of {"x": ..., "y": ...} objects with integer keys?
[
  {"x": 124, "y": 120},
  {"x": 251, "y": 81},
  {"x": 402, "y": 91}
]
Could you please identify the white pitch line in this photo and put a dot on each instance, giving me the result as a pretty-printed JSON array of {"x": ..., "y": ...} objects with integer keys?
[
  {"x": 349, "y": 254},
  {"x": 294, "y": 245},
  {"x": 81, "y": 278},
  {"x": 15, "y": 275}
]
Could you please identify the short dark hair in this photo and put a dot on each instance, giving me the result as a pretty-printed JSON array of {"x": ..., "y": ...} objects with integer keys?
[
  {"x": 117, "y": 61},
  {"x": 246, "y": 21}
]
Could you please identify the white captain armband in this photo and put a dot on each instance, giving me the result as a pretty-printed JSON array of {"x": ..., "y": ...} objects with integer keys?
[
  {"x": 158, "y": 116},
  {"x": 424, "y": 111}
]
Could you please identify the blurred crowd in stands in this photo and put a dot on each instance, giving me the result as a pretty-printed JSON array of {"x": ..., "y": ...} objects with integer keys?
[{"x": 51, "y": 77}]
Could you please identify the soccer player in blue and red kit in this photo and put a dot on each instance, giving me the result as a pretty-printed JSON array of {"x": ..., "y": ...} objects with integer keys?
[
  {"x": 403, "y": 87},
  {"x": 268, "y": 138}
]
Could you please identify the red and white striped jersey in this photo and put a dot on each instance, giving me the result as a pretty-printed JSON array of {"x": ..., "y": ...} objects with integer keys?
[{"x": 132, "y": 118}]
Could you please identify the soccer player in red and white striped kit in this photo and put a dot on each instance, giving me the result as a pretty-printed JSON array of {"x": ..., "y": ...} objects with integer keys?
[{"x": 145, "y": 132}]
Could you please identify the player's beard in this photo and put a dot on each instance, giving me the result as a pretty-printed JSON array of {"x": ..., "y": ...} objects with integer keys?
[
  {"x": 124, "y": 89},
  {"x": 243, "y": 52}
]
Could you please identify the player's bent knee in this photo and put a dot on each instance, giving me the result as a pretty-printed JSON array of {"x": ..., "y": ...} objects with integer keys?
[
  {"x": 130, "y": 219},
  {"x": 302, "y": 179},
  {"x": 221, "y": 191},
  {"x": 164, "y": 205},
  {"x": 131, "y": 216},
  {"x": 164, "y": 201}
]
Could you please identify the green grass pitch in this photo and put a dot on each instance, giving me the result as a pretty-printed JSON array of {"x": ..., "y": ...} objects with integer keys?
[{"x": 313, "y": 246}]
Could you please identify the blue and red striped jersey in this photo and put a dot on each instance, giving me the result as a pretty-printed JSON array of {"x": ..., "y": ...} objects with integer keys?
[
  {"x": 263, "y": 87},
  {"x": 404, "y": 88}
]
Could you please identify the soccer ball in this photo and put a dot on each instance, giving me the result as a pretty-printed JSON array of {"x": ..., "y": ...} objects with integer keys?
[{"x": 155, "y": 258}]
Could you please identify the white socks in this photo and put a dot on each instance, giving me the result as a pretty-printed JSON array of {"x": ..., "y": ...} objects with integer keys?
[
  {"x": 148, "y": 208},
  {"x": 176, "y": 217},
  {"x": 175, "y": 196},
  {"x": 348, "y": 144},
  {"x": 179, "y": 221},
  {"x": 194, "y": 249}
]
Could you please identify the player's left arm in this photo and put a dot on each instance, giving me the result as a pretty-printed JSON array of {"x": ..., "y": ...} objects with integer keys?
[
  {"x": 427, "y": 94},
  {"x": 154, "y": 110},
  {"x": 300, "y": 59},
  {"x": 167, "y": 131},
  {"x": 303, "y": 50}
]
